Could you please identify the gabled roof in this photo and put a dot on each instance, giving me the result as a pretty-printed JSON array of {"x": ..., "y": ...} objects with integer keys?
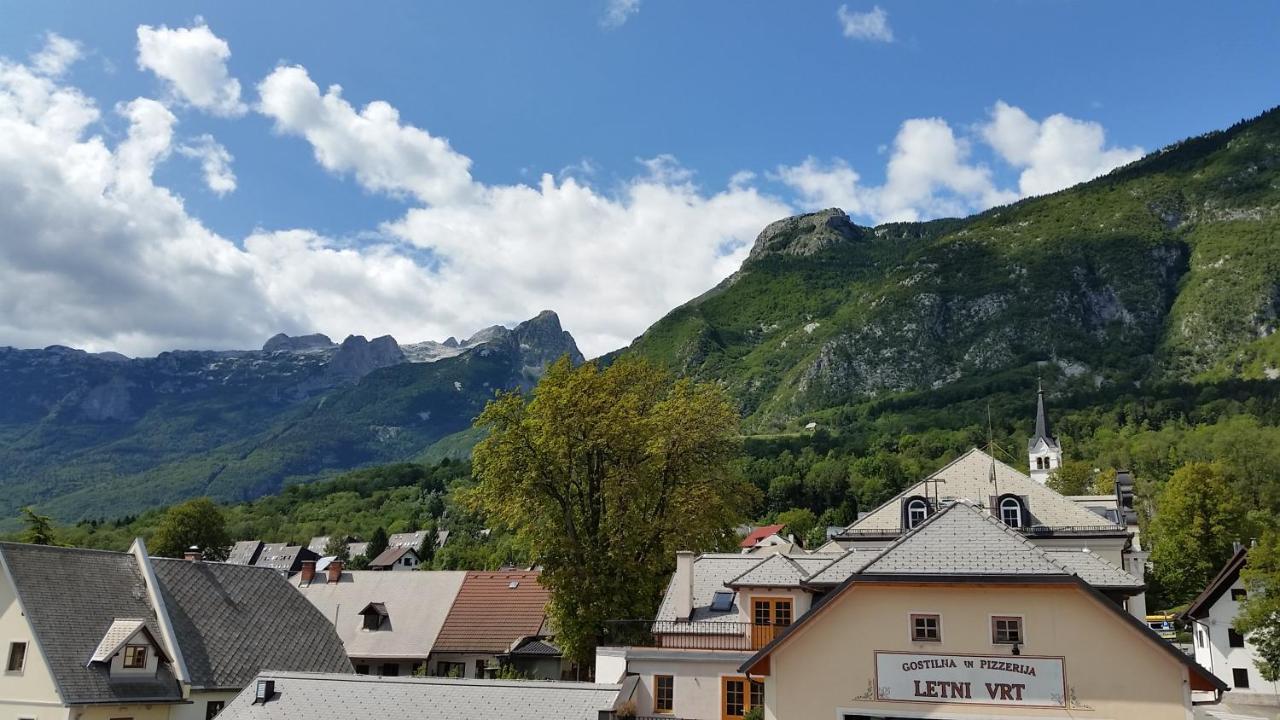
[
  {"x": 231, "y": 622},
  {"x": 391, "y": 556},
  {"x": 1094, "y": 569},
  {"x": 72, "y": 598},
  {"x": 710, "y": 573},
  {"x": 760, "y": 533},
  {"x": 303, "y": 696},
  {"x": 407, "y": 539},
  {"x": 416, "y": 604},
  {"x": 283, "y": 557},
  {"x": 781, "y": 571},
  {"x": 961, "y": 542},
  {"x": 1225, "y": 578},
  {"x": 120, "y": 632},
  {"x": 245, "y": 552},
  {"x": 969, "y": 477},
  {"x": 492, "y": 611},
  {"x": 839, "y": 570}
]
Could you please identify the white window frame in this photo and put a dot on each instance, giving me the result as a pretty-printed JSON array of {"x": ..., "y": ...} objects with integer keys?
[
  {"x": 913, "y": 505},
  {"x": 1016, "y": 504}
]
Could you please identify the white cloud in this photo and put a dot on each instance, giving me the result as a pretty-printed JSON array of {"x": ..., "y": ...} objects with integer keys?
[
  {"x": 1055, "y": 153},
  {"x": 384, "y": 154},
  {"x": 826, "y": 186},
  {"x": 215, "y": 162},
  {"x": 193, "y": 63},
  {"x": 617, "y": 12},
  {"x": 57, "y": 55},
  {"x": 870, "y": 25}
]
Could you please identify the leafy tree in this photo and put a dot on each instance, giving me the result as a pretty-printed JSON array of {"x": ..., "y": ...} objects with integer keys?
[
  {"x": 603, "y": 474},
  {"x": 198, "y": 523},
  {"x": 1073, "y": 477},
  {"x": 39, "y": 528},
  {"x": 1199, "y": 517},
  {"x": 338, "y": 547},
  {"x": 377, "y": 544},
  {"x": 1259, "y": 617},
  {"x": 427, "y": 551},
  {"x": 359, "y": 562},
  {"x": 799, "y": 521},
  {"x": 1104, "y": 483}
]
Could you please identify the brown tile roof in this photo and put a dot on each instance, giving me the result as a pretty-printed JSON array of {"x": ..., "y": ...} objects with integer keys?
[{"x": 489, "y": 614}]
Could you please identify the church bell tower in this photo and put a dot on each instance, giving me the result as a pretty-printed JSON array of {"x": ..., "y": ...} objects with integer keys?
[{"x": 1043, "y": 450}]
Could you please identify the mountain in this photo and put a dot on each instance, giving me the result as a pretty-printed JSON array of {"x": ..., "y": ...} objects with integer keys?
[
  {"x": 102, "y": 435},
  {"x": 1166, "y": 270}
]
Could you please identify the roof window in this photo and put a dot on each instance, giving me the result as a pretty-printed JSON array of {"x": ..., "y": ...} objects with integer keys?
[{"x": 722, "y": 601}]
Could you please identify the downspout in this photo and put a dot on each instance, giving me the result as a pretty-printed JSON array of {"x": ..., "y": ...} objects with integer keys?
[{"x": 139, "y": 551}]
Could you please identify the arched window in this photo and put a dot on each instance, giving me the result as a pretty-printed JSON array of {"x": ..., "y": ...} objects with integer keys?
[
  {"x": 1040, "y": 463},
  {"x": 917, "y": 511},
  {"x": 1011, "y": 512}
]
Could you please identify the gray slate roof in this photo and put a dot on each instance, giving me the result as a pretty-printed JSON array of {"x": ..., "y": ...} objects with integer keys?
[
  {"x": 283, "y": 557},
  {"x": 303, "y": 696},
  {"x": 245, "y": 552},
  {"x": 845, "y": 565},
  {"x": 782, "y": 571},
  {"x": 969, "y": 477},
  {"x": 960, "y": 539},
  {"x": 710, "y": 572},
  {"x": 233, "y": 622},
  {"x": 71, "y": 598},
  {"x": 1093, "y": 569}
]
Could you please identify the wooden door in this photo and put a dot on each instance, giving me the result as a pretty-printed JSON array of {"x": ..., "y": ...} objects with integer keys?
[{"x": 768, "y": 616}]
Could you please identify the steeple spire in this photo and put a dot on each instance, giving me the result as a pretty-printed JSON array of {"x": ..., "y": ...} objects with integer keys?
[{"x": 1042, "y": 422}]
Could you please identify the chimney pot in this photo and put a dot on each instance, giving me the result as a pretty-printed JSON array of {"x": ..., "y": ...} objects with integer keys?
[
  {"x": 308, "y": 571},
  {"x": 193, "y": 554},
  {"x": 334, "y": 571}
]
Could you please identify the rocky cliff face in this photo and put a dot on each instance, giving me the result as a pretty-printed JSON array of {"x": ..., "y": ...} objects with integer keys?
[{"x": 806, "y": 235}]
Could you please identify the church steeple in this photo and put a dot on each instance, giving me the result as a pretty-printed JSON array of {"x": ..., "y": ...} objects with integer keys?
[{"x": 1043, "y": 451}]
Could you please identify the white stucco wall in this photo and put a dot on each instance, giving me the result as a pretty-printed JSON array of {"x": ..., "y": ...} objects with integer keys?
[
  {"x": 695, "y": 674},
  {"x": 1217, "y": 654}
]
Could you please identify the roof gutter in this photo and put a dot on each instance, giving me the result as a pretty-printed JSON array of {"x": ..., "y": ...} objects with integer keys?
[{"x": 139, "y": 551}]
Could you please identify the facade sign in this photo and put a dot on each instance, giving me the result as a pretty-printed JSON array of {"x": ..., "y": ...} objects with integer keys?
[{"x": 1020, "y": 680}]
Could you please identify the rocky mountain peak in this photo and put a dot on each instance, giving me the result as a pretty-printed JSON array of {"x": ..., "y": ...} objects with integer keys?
[
  {"x": 302, "y": 343},
  {"x": 357, "y": 357},
  {"x": 804, "y": 235}
]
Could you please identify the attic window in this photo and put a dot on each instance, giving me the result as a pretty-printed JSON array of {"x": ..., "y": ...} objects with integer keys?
[
  {"x": 722, "y": 601},
  {"x": 513, "y": 584},
  {"x": 135, "y": 656},
  {"x": 375, "y": 616},
  {"x": 917, "y": 512},
  {"x": 1011, "y": 511}
]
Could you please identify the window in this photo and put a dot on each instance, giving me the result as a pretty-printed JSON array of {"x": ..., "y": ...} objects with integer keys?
[
  {"x": 17, "y": 657},
  {"x": 1238, "y": 594},
  {"x": 445, "y": 668},
  {"x": 664, "y": 693},
  {"x": 212, "y": 708},
  {"x": 722, "y": 601},
  {"x": 1240, "y": 677},
  {"x": 362, "y": 669},
  {"x": 390, "y": 669},
  {"x": 1234, "y": 638},
  {"x": 135, "y": 656},
  {"x": 926, "y": 628},
  {"x": 372, "y": 621},
  {"x": 407, "y": 560},
  {"x": 917, "y": 511},
  {"x": 767, "y": 615},
  {"x": 1200, "y": 638},
  {"x": 737, "y": 696},
  {"x": 1006, "y": 630},
  {"x": 1011, "y": 512}
]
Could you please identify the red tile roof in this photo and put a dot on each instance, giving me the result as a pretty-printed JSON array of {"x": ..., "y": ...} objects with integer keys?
[
  {"x": 759, "y": 534},
  {"x": 489, "y": 614}
]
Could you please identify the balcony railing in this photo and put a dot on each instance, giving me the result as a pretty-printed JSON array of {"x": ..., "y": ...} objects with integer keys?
[{"x": 702, "y": 635}]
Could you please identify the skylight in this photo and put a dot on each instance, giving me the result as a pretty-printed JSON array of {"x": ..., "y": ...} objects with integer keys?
[{"x": 722, "y": 601}]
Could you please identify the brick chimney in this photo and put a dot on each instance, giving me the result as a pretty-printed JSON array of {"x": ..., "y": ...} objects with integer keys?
[
  {"x": 682, "y": 584},
  {"x": 308, "y": 571},
  {"x": 334, "y": 570},
  {"x": 193, "y": 554}
]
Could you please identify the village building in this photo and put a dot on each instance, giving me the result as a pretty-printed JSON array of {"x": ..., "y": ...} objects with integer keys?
[
  {"x": 91, "y": 634},
  {"x": 720, "y": 608},
  {"x": 388, "y": 622},
  {"x": 1229, "y": 654},
  {"x": 396, "y": 559},
  {"x": 491, "y": 624},
  {"x": 309, "y": 696},
  {"x": 966, "y": 617}
]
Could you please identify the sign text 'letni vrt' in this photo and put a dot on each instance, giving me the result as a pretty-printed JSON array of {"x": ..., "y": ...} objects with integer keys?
[{"x": 974, "y": 679}]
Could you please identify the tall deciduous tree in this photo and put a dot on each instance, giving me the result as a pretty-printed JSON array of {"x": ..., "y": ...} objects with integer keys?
[
  {"x": 603, "y": 474},
  {"x": 197, "y": 523},
  {"x": 39, "y": 528},
  {"x": 338, "y": 547},
  {"x": 1073, "y": 477},
  {"x": 1199, "y": 516}
]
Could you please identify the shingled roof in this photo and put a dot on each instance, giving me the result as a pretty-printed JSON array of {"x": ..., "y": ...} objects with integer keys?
[
  {"x": 72, "y": 597},
  {"x": 305, "y": 696},
  {"x": 492, "y": 611},
  {"x": 969, "y": 477},
  {"x": 233, "y": 621}
]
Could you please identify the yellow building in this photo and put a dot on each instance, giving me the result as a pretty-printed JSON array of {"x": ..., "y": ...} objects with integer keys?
[{"x": 963, "y": 617}]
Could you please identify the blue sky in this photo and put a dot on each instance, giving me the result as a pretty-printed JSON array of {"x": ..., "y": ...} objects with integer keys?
[{"x": 716, "y": 89}]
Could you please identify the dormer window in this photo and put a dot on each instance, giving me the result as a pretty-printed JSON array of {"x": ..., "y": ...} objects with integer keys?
[
  {"x": 135, "y": 657},
  {"x": 1011, "y": 511},
  {"x": 375, "y": 616},
  {"x": 917, "y": 511}
]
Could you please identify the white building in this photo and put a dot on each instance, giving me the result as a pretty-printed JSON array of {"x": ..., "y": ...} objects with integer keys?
[
  {"x": 1044, "y": 453},
  {"x": 1227, "y": 653}
]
